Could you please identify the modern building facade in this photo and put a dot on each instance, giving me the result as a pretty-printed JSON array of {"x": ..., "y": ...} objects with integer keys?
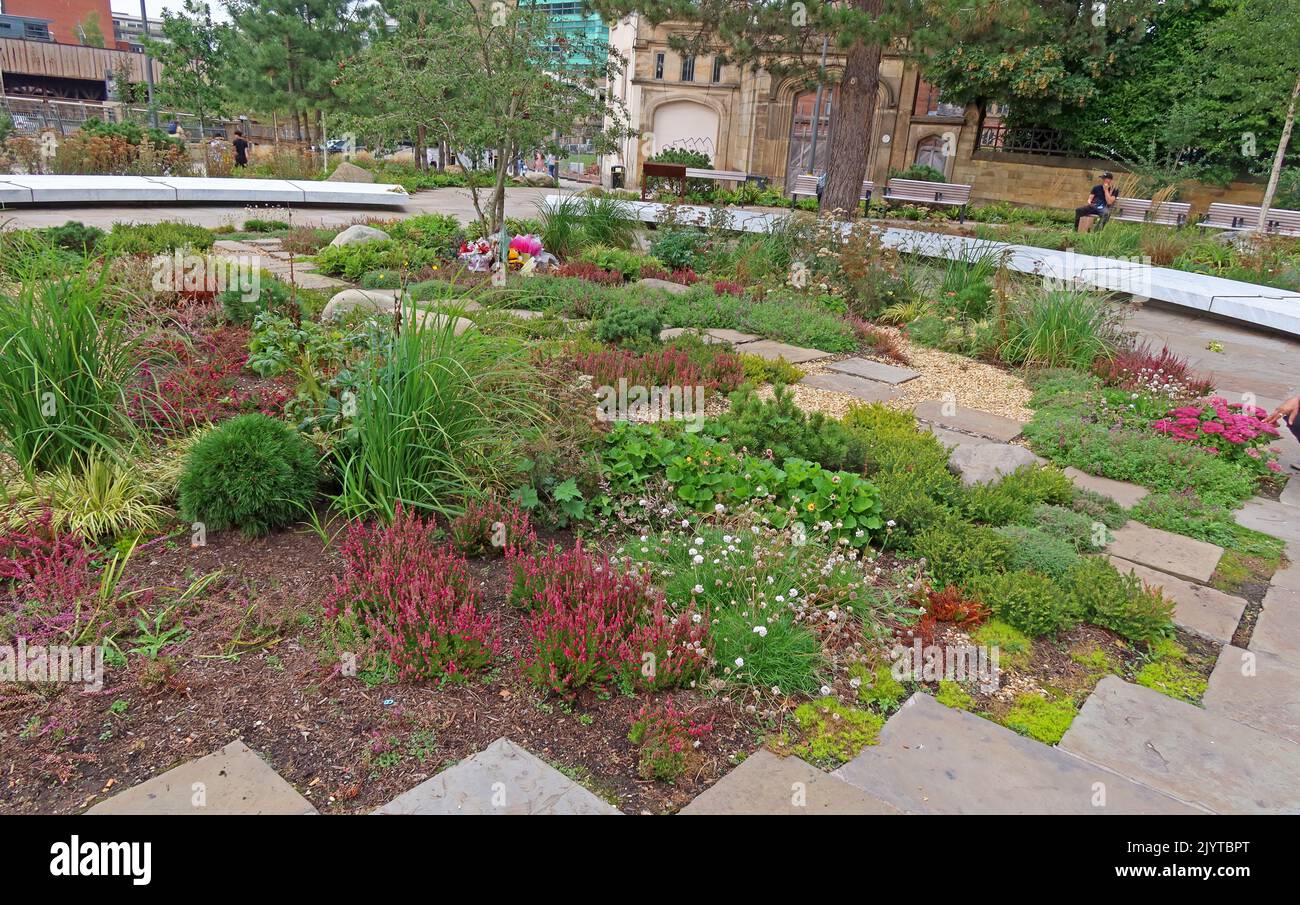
[
  {"x": 128, "y": 30},
  {"x": 572, "y": 20}
]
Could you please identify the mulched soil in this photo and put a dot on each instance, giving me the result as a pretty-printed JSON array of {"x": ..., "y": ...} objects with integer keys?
[{"x": 257, "y": 667}]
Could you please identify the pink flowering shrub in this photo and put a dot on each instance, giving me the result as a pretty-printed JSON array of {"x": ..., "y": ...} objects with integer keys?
[
  {"x": 1142, "y": 368},
  {"x": 416, "y": 598},
  {"x": 1230, "y": 430},
  {"x": 592, "y": 626},
  {"x": 722, "y": 287},
  {"x": 667, "y": 367},
  {"x": 46, "y": 578},
  {"x": 686, "y": 276},
  {"x": 488, "y": 527},
  {"x": 667, "y": 739}
]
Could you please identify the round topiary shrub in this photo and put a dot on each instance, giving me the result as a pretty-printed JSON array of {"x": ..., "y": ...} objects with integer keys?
[{"x": 253, "y": 473}]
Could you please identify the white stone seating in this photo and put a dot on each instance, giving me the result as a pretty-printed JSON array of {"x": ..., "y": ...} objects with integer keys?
[{"x": 162, "y": 189}]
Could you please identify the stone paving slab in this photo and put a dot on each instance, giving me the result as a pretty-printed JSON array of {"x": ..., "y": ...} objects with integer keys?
[
  {"x": 772, "y": 350},
  {"x": 1277, "y": 519},
  {"x": 1257, "y": 689},
  {"x": 874, "y": 370},
  {"x": 711, "y": 336},
  {"x": 233, "y": 780},
  {"x": 1127, "y": 495},
  {"x": 932, "y": 759},
  {"x": 501, "y": 779},
  {"x": 1198, "y": 609},
  {"x": 1185, "y": 557},
  {"x": 953, "y": 439},
  {"x": 969, "y": 421},
  {"x": 1277, "y": 630},
  {"x": 1185, "y": 751},
  {"x": 768, "y": 784},
  {"x": 1289, "y": 578},
  {"x": 866, "y": 390}
]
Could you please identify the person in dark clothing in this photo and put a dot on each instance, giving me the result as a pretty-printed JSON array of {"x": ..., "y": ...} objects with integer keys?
[
  {"x": 1100, "y": 200},
  {"x": 241, "y": 146}
]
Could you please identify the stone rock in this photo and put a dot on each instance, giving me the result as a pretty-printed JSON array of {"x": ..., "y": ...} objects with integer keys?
[
  {"x": 358, "y": 234},
  {"x": 1277, "y": 631},
  {"x": 1277, "y": 519},
  {"x": 983, "y": 463},
  {"x": 1175, "y": 554},
  {"x": 873, "y": 370},
  {"x": 713, "y": 336},
  {"x": 665, "y": 285},
  {"x": 772, "y": 350},
  {"x": 383, "y": 301},
  {"x": 235, "y": 781},
  {"x": 1184, "y": 751},
  {"x": 432, "y": 320},
  {"x": 501, "y": 779},
  {"x": 968, "y": 421},
  {"x": 533, "y": 177},
  {"x": 1127, "y": 495},
  {"x": 952, "y": 439},
  {"x": 932, "y": 759},
  {"x": 1257, "y": 689},
  {"x": 1198, "y": 609},
  {"x": 767, "y": 784},
  {"x": 350, "y": 172}
]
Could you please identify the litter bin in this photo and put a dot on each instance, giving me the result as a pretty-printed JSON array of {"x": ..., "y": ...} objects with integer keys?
[{"x": 617, "y": 177}]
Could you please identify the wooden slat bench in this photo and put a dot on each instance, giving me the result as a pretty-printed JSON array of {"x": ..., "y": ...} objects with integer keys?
[
  {"x": 1243, "y": 216},
  {"x": 719, "y": 175},
  {"x": 674, "y": 171},
  {"x": 918, "y": 191},
  {"x": 807, "y": 185},
  {"x": 1140, "y": 210}
]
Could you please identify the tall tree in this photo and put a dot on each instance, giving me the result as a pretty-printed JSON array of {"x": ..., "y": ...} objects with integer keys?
[
  {"x": 193, "y": 55},
  {"x": 286, "y": 53},
  {"x": 492, "y": 81}
]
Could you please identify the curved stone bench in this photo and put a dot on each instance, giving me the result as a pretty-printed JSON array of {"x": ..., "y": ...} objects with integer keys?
[{"x": 194, "y": 189}]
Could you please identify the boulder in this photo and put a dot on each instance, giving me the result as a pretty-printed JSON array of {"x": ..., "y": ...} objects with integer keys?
[
  {"x": 432, "y": 320},
  {"x": 665, "y": 285},
  {"x": 535, "y": 178},
  {"x": 350, "y": 172},
  {"x": 359, "y": 234},
  {"x": 983, "y": 463},
  {"x": 383, "y": 301}
]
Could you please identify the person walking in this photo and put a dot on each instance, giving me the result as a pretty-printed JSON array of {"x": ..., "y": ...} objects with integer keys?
[
  {"x": 1100, "y": 200},
  {"x": 552, "y": 166},
  {"x": 241, "y": 145}
]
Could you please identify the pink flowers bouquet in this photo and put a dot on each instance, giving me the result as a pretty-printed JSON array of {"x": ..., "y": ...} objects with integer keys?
[
  {"x": 477, "y": 254},
  {"x": 526, "y": 245},
  {"x": 1234, "y": 431}
]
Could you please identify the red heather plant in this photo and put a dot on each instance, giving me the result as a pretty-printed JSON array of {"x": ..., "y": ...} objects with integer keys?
[
  {"x": 669, "y": 366},
  {"x": 877, "y": 340},
  {"x": 667, "y": 739},
  {"x": 686, "y": 276},
  {"x": 592, "y": 626},
  {"x": 416, "y": 597},
  {"x": 203, "y": 387},
  {"x": 589, "y": 272},
  {"x": 47, "y": 577},
  {"x": 722, "y": 287},
  {"x": 1142, "y": 368},
  {"x": 1229, "y": 430},
  {"x": 487, "y": 527}
]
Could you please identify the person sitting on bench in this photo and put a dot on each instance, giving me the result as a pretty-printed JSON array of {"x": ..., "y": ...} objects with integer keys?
[{"x": 1100, "y": 200}]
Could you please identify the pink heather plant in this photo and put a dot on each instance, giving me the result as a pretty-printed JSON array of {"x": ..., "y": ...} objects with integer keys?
[
  {"x": 416, "y": 597},
  {"x": 1230, "y": 430},
  {"x": 667, "y": 739},
  {"x": 592, "y": 625},
  {"x": 488, "y": 527},
  {"x": 46, "y": 578}
]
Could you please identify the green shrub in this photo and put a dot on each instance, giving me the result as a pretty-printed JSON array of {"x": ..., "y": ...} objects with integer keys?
[
  {"x": 630, "y": 325},
  {"x": 777, "y": 424},
  {"x": 241, "y": 308},
  {"x": 780, "y": 315},
  {"x": 440, "y": 233},
  {"x": 265, "y": 226},
  {"x": 253, "y": 473},
  {"x": 957, "y": 553},
  {"x": 951, "y": 694},
  {"x": 1186, "y": 513},
  {"x": 1119, "y": 601},
  {"x": 1081, "y": 533},
  {"x": 354, "y": 261},
  {"x": 677, "y": 248},
  {"x": 834, "y": 733},
  {"x": 895, "y": 446},
  {"x": 1172, "y": 678},
  {"x": 1044, "y": 719},
  {"x": 381, "y": 279},
  {"x": 75, "y": 237},
  {"x": 627, "y": 263},
  {"x": 1038, "y": 551},
  {"x": 909, "y": 505},
  {"x": 1028, "y": 601},
  {"x": 878, "y": 688},
  {"x": 759, "y": 370},
  {"x": 1099, "y": 508},
  {"x": 155, "y": 238},
  {"x": 1052, "y": 328}
]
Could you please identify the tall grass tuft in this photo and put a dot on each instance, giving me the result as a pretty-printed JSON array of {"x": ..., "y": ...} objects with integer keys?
[
  {"x": 439, "y": 422},
  {"x": 1057, "y": 328},
  {"x": 63, "y": 372}
]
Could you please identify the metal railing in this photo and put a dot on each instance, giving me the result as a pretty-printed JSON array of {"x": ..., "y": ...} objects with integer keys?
[{"x": 1023, "y": 140}]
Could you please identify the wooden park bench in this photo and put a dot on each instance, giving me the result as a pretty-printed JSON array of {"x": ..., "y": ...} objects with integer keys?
[
  {"x": 674, "y": 171},
  {"x": 717, "y": 175},
  {"x": 918, "y": 191},
  {"x": 1243, "y": 216},
  {"x": 807, "y": 185},
  {"x": 1141, "y": 210}
]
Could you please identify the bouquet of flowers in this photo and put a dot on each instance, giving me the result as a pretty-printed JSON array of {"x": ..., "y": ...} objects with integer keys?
[
  {"x": 522, "y": 249},
  {"x": 477, "y": 254}
]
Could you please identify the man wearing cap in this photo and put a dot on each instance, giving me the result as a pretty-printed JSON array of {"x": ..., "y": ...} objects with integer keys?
[{"x": 1100, "y": 200}]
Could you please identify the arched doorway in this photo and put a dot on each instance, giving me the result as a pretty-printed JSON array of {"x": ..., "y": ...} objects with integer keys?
[
  {"x": 686, "y": 124},
  {"x": 801, "y": 132}
]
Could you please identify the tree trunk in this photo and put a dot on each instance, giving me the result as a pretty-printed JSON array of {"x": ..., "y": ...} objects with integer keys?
[
  {"x": 421, "y": 155},
  {"x": 1271, "y": 189},
  {"x": 850, "y": 149}
]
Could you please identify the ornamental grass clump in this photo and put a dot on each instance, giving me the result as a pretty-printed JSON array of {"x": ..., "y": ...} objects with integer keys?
[
  {"x": 593, "y": 627},
  {"x": 415, "y": 598}
]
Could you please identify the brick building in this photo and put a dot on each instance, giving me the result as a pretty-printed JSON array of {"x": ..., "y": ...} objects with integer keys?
[{"x": 68, "y": 18}]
